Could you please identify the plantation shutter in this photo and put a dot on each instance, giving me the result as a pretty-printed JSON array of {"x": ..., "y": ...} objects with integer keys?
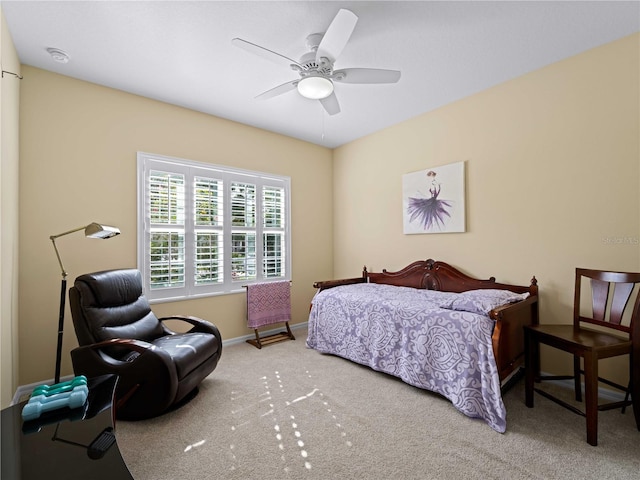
[{"x": 207, "y": 229}]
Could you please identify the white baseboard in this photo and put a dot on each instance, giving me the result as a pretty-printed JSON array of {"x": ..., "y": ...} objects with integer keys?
[{"x": 24, "y": 391}]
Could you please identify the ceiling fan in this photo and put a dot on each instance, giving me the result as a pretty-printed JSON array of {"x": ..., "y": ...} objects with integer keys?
[{"x": 315, "y": 68}]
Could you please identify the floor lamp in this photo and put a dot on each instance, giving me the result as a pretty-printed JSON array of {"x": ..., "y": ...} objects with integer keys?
[{"x": 93, "y": 230}]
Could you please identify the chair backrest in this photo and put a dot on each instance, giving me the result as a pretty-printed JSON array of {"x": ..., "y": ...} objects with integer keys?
[
  {"x": 615, "y": 300},
  {"x": 110, "y": 304}
]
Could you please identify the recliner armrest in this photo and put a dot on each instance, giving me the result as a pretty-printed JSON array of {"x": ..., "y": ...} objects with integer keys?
[
  {"x": 199, "y": 325},
  {"x": 131, "y": 343},
  {"x": 95, "y": 354},
  {"x": 147, "y": 384}
]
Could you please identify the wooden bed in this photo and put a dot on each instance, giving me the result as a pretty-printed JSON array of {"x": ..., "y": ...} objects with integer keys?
[
  {"x": 433, "y": 327},
  {"x": 508, "y": 335}
]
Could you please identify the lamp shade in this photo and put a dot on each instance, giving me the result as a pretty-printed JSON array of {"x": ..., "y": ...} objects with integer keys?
[
  {"x": 315, "y": 87},
  {"x": 95, "y": 230}
]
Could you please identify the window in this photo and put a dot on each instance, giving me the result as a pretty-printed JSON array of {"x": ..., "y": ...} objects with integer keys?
[{"x": 206, "y": 229}]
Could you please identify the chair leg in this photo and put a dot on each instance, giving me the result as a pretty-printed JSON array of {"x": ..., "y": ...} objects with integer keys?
[
  {"x": 591, "y": 396},
  {"x": 531, "y": 347},
  {"x": 576, "y": 378},
  {"x": 635, "y": 388}
]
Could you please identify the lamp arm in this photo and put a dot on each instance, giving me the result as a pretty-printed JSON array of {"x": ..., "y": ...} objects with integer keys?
[
  {"x": 52, "y": 237},
  {"x": 53, "y": 240},
  {"x": 55, "y": 247}
]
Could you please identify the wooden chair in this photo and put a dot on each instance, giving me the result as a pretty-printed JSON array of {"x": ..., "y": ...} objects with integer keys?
[{"x": 617, "y": 333}]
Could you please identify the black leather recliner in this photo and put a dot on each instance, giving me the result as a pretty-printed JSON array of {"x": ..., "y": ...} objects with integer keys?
[{"x": 119, "y": 334}]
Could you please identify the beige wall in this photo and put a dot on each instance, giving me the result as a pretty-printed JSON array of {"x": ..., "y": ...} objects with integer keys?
[
  {"x": 9, "y": 114},
  {"x": 553, "y": 171},
  {"x": 78, "y": 165}
]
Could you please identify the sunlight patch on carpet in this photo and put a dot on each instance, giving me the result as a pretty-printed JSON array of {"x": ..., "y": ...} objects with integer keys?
[
  {"x": 194, "y": 445},
  {"x": 285, "y": 412}
]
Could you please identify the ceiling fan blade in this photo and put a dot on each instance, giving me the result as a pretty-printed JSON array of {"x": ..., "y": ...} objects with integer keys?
[
  {"x": 337, "y": 35},
  {"x": 366, "y": 75},
  {"x": 263, "y": 52},
  {"x": 279, "y": 90},
  {"x": 331, "y": 104}
]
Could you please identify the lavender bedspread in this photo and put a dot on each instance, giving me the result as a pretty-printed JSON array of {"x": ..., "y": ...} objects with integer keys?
[{"x": 403, "y": 331}]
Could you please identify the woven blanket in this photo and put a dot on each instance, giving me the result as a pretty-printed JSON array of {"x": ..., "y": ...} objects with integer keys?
[{"x": 268, "y": 303}]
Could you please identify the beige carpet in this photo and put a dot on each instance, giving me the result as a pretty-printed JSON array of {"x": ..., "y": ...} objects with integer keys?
[{"x": 287, "y": 412}]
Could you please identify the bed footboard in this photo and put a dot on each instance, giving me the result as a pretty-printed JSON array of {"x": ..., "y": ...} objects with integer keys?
[{"x": 508, "y": 334}]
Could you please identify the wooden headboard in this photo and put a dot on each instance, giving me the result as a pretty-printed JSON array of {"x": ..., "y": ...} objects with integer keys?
[{"x": 434, "y": 275}]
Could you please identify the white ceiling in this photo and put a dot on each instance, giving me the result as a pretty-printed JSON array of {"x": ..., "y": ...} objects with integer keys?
[{"x": 180, "y": 52}]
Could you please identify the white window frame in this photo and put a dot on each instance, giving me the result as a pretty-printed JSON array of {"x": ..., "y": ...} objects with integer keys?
[{"x": 147, "y": 162}]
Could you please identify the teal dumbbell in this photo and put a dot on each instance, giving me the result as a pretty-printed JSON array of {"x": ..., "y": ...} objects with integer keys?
[
  {"x": 59, "y": 387},
  {"x": 40, "y": 404}
]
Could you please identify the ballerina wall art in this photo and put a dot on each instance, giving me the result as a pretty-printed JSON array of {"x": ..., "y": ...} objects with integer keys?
[{"x": 433, "y": 200}]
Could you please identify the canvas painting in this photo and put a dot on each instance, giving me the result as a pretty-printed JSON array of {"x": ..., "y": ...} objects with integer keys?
[{"x": 433, "y": 200}]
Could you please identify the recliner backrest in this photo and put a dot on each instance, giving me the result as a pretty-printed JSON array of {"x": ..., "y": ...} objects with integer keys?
[{"x": 110, "y": 304}]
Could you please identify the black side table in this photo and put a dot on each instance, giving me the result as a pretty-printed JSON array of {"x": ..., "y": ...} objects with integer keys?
[{"x": 69, "y": 444}]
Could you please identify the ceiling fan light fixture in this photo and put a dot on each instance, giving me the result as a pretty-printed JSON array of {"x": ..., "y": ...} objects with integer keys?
[{"x": 315, "y": 87}]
